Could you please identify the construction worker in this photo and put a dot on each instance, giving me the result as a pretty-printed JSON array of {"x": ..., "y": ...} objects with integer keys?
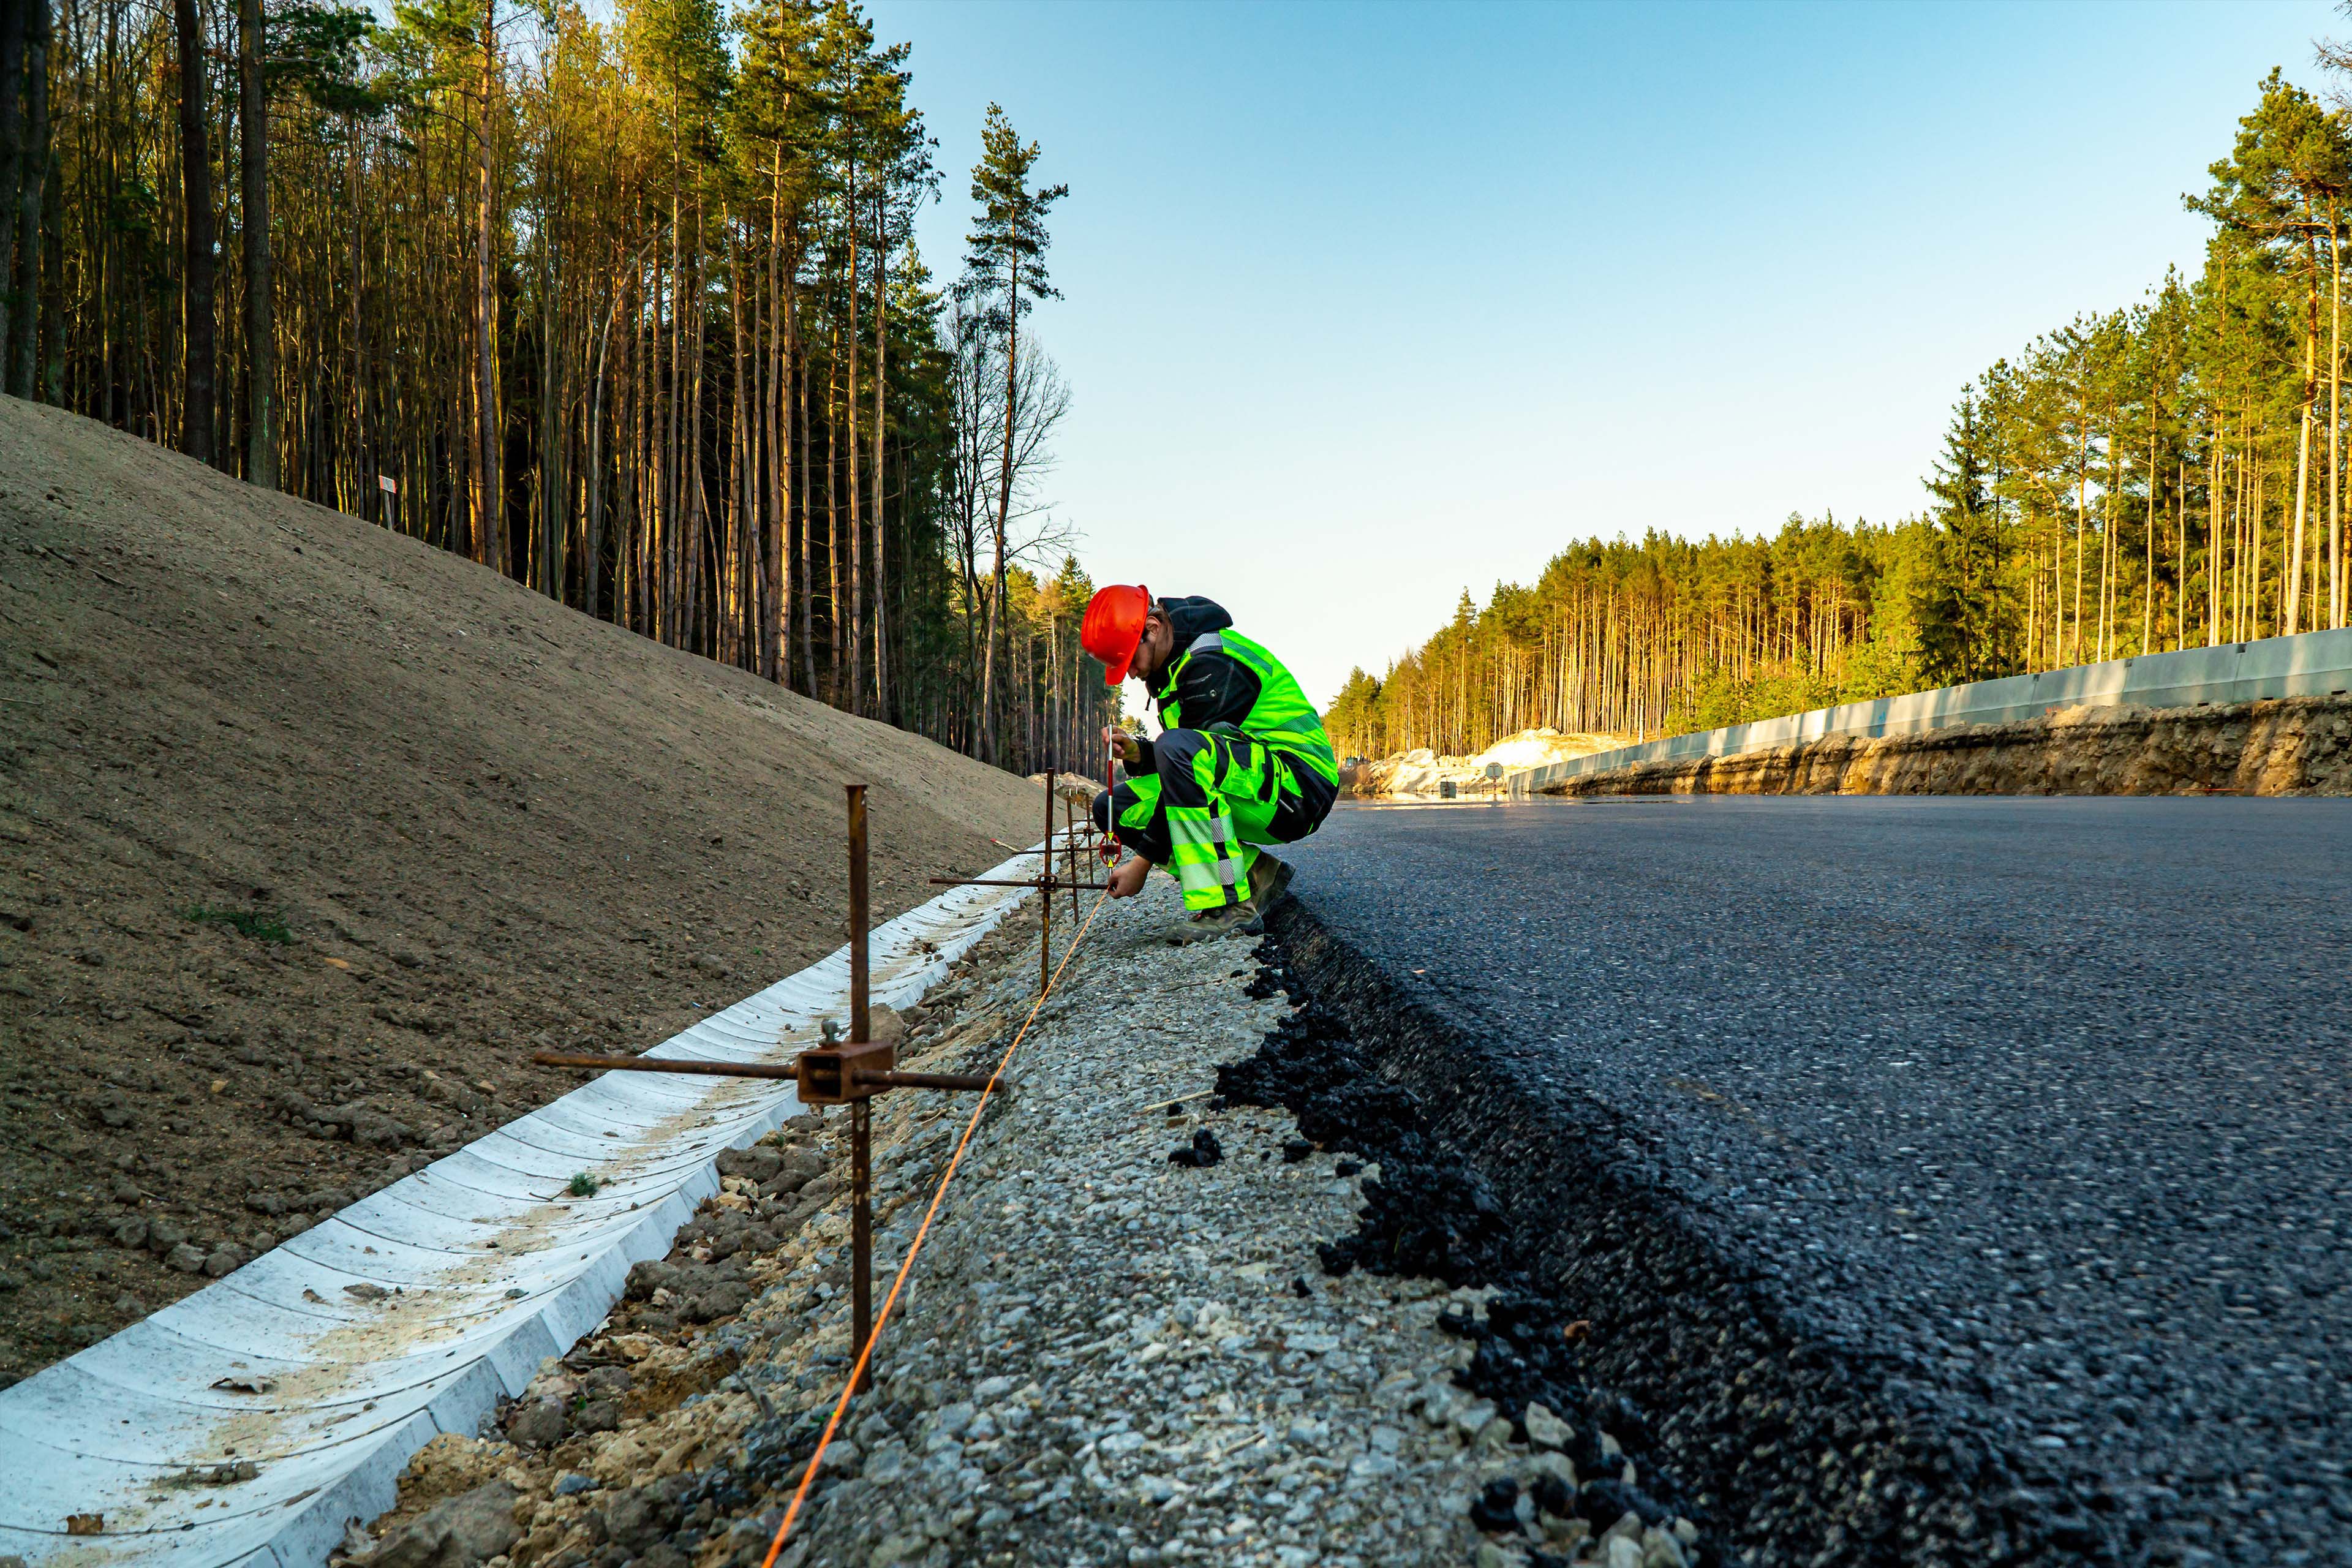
[{"x": 1240, "y": 759}]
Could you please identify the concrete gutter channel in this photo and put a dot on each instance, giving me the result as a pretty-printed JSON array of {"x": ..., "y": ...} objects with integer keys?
[{"x": 1788, "y": 1446}]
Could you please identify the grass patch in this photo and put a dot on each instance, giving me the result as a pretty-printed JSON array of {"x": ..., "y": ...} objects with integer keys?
[
  {"x": 262, "y": 925},
  {"x": 583, "y": 1185}
]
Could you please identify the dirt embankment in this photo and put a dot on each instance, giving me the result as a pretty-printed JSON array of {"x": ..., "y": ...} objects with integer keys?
[
  {"x": 2300, "y": 745},
  {"x": 309, "y": 834}
]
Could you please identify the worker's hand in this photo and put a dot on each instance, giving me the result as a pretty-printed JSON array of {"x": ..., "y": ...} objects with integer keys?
[
  {"x": 1127, "y": 878},
  {"x": 1122, "y": 745}
]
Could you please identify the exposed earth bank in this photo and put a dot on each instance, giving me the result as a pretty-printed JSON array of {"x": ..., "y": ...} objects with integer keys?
[
  {"x": 2296, "y": 745},
  {"x": 309, "y": 833}
]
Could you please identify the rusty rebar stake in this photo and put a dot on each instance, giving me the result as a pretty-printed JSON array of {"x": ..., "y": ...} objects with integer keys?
[
  {"x": 850, "y": 1072},
  {"x": 861, "y": 1121}
]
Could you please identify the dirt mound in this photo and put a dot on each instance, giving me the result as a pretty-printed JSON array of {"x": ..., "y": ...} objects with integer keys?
[
  {"x": 1425, "y": 772},
  {"x": 309, "y": 834}
]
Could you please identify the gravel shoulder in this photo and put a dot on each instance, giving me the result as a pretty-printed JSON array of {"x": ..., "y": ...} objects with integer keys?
[{"x": 1106, "y": 1355}]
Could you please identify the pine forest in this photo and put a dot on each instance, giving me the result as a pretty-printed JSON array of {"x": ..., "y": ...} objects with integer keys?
[
  {"x": 628, "y": 309},
  {"x": 2169, "y": 475}
]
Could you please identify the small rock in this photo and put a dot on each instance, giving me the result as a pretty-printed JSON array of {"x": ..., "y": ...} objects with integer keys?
[
  {"x": 225, "y": 1262},
  {"x": 1661, "y": 1550},
  {"x": 458, "y": 1533},
  {"x": 536, "y": 1424},
  {"x": 365, "y": 1291},
  {"x": 571, "y": 1483},
  {"x": 598, "y": 1415},
  {"x": 1471, "y": 1418},
  {"x": 185, "y": 1258},
  {"x": 1624, "y": 1553},
  {"x": 1556, "y": 1464},
  {"x": 1497, "y": 1508},
  {"x": 1546, "y": 1430},
  {"x": 1203, "y": 1151}
]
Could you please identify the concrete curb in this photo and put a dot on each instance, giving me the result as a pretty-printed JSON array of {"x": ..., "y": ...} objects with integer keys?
[{"x": 413, "y": 1311}]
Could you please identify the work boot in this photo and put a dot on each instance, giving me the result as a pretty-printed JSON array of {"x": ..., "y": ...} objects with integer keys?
[
  {"x": 1269, "y": 882},
  {"x": 1231, "y": 919}
]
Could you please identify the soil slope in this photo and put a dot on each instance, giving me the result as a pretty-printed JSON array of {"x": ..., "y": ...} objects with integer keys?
[{"x": 310, "y": 833}]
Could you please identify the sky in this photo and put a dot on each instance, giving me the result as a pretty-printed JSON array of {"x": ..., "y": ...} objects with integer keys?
[{"x": 1365, "y": 305}]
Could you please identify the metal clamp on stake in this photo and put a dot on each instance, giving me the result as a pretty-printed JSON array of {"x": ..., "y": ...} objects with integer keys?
[{"x": 849, "y": 1072}]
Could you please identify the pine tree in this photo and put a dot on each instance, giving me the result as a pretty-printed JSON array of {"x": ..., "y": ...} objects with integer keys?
[{"x": 1967, "y": 624}]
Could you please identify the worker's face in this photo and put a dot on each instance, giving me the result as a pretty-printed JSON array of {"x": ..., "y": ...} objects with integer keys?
[{"x": 1151, "y": 653}]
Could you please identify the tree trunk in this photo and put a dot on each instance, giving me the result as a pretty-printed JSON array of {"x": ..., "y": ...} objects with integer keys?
[
  {"x": 855, "y": 634},
  {"x": 261, "y": 321},
  {"x": 1003, "y": 505},
  {"x": 881, "y": 382},
  {"x": 798, "y": 352},
  {"x": 196, "y": 205},
  {"x": 25, "y": 335},
  {"x": 490, "y": 519},
  {"x": 2293, "y": 605},
  {"x": 2335, "y": 420},
  {"x": 774, "y": 518},
  {"x": 2147, "y": 575},
  {"x": 13, "y": 19},
  {"x": 832, "y": 519},
  {"x": 592, "y": 574}
]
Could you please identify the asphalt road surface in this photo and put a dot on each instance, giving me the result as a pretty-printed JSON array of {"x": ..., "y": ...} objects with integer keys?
[{"x": 2046, "y": 1102}]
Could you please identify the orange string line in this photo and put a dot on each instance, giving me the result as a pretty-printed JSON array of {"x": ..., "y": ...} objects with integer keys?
[{"x": 841, "y": 1406}]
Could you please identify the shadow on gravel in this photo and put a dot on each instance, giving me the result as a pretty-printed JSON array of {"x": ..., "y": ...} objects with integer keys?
[{"x": 1784, "y": 1451}]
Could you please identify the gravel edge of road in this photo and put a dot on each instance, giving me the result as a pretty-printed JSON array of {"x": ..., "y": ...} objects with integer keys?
[
  {"x": 1123, "y": 1344},
  {"x": 1796, "y": 1447}
]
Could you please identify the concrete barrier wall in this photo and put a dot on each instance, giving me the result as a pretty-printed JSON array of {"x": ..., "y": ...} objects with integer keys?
[{"x": 2315, "y": 664}]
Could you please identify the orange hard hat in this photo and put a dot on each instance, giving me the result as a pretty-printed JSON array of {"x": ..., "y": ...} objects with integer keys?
[{"x": 1113, "y": 627}]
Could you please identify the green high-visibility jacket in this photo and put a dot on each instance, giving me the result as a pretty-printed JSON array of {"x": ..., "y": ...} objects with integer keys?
[{"x": 1221, "y": 680}]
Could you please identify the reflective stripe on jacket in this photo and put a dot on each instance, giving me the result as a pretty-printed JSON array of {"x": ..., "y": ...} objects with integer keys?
[{"x": 1280, "y": 719}]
